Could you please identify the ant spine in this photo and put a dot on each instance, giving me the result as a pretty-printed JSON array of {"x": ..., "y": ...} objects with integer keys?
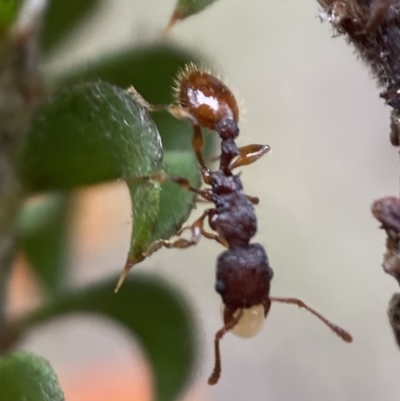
[{"x": 243, "y": 274}]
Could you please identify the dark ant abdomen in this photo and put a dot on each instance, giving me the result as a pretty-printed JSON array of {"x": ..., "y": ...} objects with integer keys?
[{"x": 243, "y": 276}]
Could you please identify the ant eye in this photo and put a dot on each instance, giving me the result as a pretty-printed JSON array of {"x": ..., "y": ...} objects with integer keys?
[{"x": 250, "y": 323}]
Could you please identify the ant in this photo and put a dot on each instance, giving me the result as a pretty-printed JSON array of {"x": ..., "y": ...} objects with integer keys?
[{"x": 243, "y": 273}]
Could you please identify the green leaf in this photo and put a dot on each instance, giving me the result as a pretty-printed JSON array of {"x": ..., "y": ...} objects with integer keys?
[
  {"x": 145, "y": 201},
  {"x": 152, "y": 71},
  {"x": 26, "y": 377},
  {"x": 186, "y": 8},
  {"x": 167, "y": 205},
  {"x": 43, "y": 237},
  {"x": 62, "y": 17},
  {"x": 153, "y": 312},
  {"x": 94, "y": 132},
  {"x": 177, "y": 203},
  {"x": 8, "y": 13},
  {"x": 89, "y": 133}
]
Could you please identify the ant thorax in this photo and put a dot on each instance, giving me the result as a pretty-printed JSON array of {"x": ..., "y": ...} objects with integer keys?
[
  {"x": 235, "y": 220},
  {"x": 223, "y": 184}
]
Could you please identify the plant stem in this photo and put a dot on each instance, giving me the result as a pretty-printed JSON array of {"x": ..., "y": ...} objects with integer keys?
[
  {"x": 373, "y": 28},
  {"x": 6, "y": 258},
  {"x": 21, "y": 91}
]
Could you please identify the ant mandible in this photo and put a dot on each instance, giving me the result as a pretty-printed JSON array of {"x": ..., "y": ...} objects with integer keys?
[{"x": 243, "y": 272}]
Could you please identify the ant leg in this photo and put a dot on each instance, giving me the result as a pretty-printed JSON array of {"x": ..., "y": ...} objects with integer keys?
[
  {"x": 197, "y": 143},
  {"x": 249, "y": 154},
  {"x": 215, "y": 237},
  {"x": 204, "y": 233},
  {"x": 183, "y": 182},
  {"x": 209, "y": 196},
  {"x": 216, "y": 373},
  {"x": 196, "y": 228},
  {"x": 343, "y": 334},
  {"x": 175, "y": 110},
  {"x": 144, "y": 103}
]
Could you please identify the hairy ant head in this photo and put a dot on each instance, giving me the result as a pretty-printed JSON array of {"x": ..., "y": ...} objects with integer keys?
[{"x": 205, "y": 97}]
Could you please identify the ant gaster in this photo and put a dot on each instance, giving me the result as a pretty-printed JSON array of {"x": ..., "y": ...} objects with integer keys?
[{"x": 243, "y": 272}]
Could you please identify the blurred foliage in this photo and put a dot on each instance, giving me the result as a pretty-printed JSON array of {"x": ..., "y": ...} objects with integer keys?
[
  {"x": 26, "y": 377},
  {"x": 43, "y": 229},
  {"x": 8, "y": 12},
  {"x": 63, "y": 16},
  {"x": 151, "y": 70},
  {"x": 150, "y": 310},
  {"x": 88, "y": 131}
]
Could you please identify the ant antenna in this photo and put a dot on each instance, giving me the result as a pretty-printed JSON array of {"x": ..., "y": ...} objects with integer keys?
[
  {"x": 343, "y": 334},
  {"x": 216, "y": 373}
]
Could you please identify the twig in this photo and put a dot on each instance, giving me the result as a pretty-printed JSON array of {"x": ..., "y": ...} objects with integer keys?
[{"x": 373, "y": 28}]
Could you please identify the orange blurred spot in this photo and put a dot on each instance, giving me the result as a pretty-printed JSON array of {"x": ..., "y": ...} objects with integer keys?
[
  {"x": 24, "y": 292},
  {"x": 108, "y": 382},
  {"x": 118, "y": 382},
  {"x": 102, "y": 217}
]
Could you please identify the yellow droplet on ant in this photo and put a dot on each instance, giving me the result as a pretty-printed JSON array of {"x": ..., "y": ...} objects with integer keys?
[
  {"x": 205, "y": 97},
  {"x": 250, "y": 323}
]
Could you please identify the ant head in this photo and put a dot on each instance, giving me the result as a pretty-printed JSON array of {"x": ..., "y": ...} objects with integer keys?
[{"x": 206, "y": 97}]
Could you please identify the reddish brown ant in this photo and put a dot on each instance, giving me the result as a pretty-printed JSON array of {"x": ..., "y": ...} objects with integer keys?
[{"x": 243, "y": 273}]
